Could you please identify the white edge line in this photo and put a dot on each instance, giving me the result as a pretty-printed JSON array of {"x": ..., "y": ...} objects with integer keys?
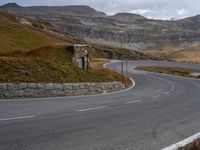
[
  {"x": 183, "y": 143},
  {"x": 89, "y": 109},
  {"x": 156, "y": 96},
  {"x": 166, "y": 93},
  {"x": 16, "y": 118},
  {"x": 131, "y": 102}
]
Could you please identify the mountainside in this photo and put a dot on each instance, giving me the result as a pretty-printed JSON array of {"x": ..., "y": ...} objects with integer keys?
[
  {"x": 137, "y": 32},
  {"x": 14, "y": 36},
  {"x": 155, "y": 38}
]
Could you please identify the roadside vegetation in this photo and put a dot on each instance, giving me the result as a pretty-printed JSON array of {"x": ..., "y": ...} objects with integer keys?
[
  {"x": 194, "y": 146},
  {"x": 169, "y": 70},
  {"x": 49, "y": 64},
  {"x": 190, "y": 54},
  {"x": 30, "y": 55}
]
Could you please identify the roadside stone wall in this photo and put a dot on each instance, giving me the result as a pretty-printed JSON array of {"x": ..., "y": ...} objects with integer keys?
[{"x": 38, "y": 90}]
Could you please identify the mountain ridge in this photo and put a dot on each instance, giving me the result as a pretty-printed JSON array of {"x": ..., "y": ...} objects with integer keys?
[
  {"x": 11, "y": 5},
  {"x": 134, "y": 31},
  {"x": 15, "y": 5}
]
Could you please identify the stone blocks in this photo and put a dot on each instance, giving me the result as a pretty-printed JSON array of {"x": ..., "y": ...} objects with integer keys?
[{"x": 37, "y": 90}]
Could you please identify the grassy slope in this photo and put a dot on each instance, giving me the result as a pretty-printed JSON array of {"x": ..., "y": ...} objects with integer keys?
[
  {"x": 28, "y": 55},
  {"x": 16, "y": 37},
  {"x": 49, "y": 64},
  {"x": 112, "y": 52},
  {"x": 188, "y": 54}
]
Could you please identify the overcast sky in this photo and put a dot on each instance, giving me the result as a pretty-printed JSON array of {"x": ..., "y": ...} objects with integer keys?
[{"x": 157, "y": 9}]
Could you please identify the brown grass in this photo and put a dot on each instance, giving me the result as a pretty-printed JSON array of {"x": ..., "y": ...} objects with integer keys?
[
  {"x": 17, "y": 37},
  {"x": 50, "y": 64},
  {"x": 194, "y": 146},
  {"x": 189, "y": 54},
  {"x": 97, "y": 64},
  {"x": 30, "y": 55},
  {"x": 111, "y": 52}
]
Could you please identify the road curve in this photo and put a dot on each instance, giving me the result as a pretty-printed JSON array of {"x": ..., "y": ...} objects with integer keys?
[{"x": 159, "y": 111}]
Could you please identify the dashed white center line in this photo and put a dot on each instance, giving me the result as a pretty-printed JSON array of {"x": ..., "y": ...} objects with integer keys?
[
  {"x": 90, "y": 109},
  {"x": 16, "y": 118},
  {"x": 131, "y": 102},
  {"x": 166, "y": 93},
  {"x": 156, "y": 96}
]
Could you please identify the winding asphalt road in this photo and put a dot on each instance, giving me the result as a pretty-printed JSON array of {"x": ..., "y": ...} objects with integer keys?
[{"x": 159, "y": 111}]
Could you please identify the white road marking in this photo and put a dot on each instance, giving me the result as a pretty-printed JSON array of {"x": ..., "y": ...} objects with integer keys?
[
  {"x": 89, "y": 109},
  {"x": 183, "y": 143},
  {"x": 171, "y": 84},
  {"x": 156, "y": 96},
  {"x": 166, "y": 93},
  {"x": 16, "y": 118},
  {"x": 131, "y": 102}
]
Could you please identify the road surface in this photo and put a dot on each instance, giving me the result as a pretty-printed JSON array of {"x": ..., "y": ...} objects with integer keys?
[{"x": 159, "y": 111}]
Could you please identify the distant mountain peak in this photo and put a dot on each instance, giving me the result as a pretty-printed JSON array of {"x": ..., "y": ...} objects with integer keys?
[
  {"x": 128, "y": 15},
  {"x": 81, "y": 6},
  {"x": 84, "y": 9},
  {"x": 11, "y": 5}
]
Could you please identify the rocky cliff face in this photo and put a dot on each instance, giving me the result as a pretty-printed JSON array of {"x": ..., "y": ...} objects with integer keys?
[{"x": 136, "y": 32}]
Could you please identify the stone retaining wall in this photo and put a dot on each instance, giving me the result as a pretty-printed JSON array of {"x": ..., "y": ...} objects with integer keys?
[{"x": 37, "y": 90}]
